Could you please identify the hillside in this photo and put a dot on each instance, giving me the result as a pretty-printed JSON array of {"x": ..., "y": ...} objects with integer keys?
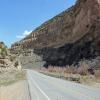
[{"x": 67, "y": 38}]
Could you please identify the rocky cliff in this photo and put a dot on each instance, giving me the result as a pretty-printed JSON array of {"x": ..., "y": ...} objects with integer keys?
[{"x": 68, "y": 37}]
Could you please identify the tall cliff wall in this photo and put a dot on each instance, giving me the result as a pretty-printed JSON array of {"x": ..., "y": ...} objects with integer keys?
[{"x": 68, "y": 37}]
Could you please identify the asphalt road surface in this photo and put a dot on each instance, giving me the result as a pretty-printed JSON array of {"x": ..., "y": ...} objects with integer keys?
[{"x": 44, "y": 87}]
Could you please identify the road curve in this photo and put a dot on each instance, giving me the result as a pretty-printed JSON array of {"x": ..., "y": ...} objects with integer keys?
[{"x": 44, "y": 87}]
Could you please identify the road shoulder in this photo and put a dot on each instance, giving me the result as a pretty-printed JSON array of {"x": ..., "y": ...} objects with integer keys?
[{"x": 16, "y": 91}]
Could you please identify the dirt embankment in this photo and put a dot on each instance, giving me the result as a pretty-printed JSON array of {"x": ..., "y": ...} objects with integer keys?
[
  {"x": 13, "y": 85},
  {"x": 17, "y": 91}
]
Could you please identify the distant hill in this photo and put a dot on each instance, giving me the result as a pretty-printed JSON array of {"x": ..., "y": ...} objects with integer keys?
[{"x": 68, "y": 37}]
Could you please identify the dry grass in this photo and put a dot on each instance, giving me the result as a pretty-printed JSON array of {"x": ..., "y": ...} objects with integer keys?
[
  {"x": 11, "y": 76},
  {"x": 79, "y": 74}
]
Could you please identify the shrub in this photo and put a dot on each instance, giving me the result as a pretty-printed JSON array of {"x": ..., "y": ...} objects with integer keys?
[
  {"x": 12, "y": 58},
  {"x": 97, "y": 73},
  {"x": 16, "y": 64},
  {"x": 71, "y": 69},
  {"x": 83, "y": 68}
]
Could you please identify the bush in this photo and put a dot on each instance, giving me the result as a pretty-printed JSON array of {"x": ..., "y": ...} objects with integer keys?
[
  {"x": 12, "y": 58},
  {"x": 83, "y": 68},
  {"x": 71, "y": 69},
  {"x": 97, "y": 73},
  {"x": 16, "y": 64}
]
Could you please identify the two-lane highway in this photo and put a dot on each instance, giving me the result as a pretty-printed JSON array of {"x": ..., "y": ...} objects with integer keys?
[{"x": 43, "y": 87}]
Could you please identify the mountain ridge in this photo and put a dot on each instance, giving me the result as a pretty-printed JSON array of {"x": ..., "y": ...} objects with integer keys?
[{"x": 67, "y": 38}]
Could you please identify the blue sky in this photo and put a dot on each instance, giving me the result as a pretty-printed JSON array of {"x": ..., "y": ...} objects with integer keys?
[{"x": 19, "y": 17}]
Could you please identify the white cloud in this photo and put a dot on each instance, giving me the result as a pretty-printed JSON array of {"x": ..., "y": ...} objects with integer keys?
[{"x": 26, "y": 32}]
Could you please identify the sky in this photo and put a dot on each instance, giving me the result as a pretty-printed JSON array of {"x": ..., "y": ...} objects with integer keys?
[{"x": 19, "y": 17}]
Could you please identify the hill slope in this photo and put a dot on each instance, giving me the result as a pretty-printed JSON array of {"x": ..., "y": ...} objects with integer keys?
[{"x": 68, "y": 37}]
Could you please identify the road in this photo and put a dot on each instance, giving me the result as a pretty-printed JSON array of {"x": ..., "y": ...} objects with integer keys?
[{"x": 44, "y": 87}]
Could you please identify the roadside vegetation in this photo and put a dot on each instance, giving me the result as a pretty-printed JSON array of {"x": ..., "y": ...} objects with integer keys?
[
  {"x": 3, "y": 50},
  {"x": 82, "y": 73},
  {"x": 9, "y": 72},
  {"x": 10, "y": 76}
]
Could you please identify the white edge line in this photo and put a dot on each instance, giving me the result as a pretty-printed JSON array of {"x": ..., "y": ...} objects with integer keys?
[{"x": 41, "y": 91}]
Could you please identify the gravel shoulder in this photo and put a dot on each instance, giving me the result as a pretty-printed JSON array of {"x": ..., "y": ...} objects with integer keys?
[{"x": 16, "y": 91}]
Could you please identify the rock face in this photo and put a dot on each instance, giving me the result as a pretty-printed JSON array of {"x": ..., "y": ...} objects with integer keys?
[{"x": 68, "y": 37}]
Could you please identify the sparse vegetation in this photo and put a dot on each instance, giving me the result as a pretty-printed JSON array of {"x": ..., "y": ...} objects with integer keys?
[
  {"x": 82, "y": 73},
  {"x": 12, "y": 57},
  {"x": 10, "y": 76},
  {"x": 3, "y": 50}
]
